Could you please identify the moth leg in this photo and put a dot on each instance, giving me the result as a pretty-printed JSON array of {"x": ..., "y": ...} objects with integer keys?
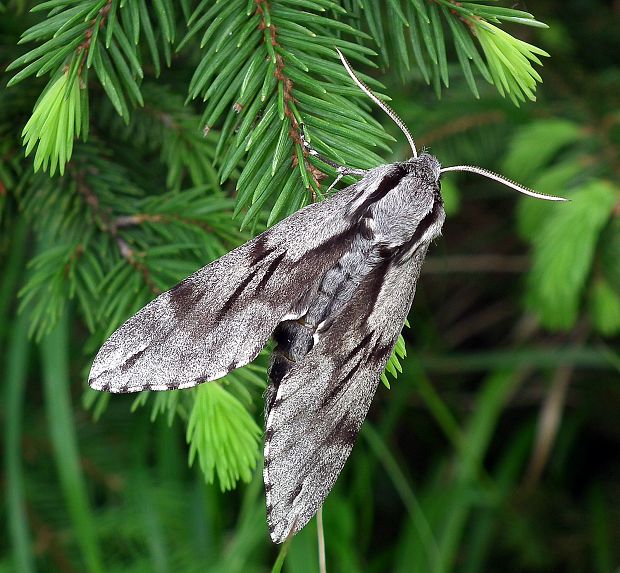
[
  {"x": 341, "y": 169},
  {"x": 341, "y": 173}
]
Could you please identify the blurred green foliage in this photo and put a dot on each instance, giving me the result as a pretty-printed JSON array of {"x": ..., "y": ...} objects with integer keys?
[{"x": 141, "y": 140}]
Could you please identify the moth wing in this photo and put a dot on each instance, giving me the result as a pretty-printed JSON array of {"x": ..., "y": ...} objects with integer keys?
[
  {"x": 220, "y": 317},
  {"x": 322, "y": 402}
]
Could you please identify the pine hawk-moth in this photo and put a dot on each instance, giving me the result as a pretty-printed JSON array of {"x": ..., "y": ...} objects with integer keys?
[{"x": 332, "y": 284}]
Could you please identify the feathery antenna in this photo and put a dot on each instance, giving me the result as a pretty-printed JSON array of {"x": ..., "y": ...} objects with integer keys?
[
  {"x": 472, "y": 168},
  {"x": 504, "y": 180},
  {"x": 386, "y": 108}
]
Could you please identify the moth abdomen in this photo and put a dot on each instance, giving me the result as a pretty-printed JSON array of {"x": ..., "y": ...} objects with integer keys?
[
  {"x": 293, "y": 341},
  {"x": 293, "y": 338}
]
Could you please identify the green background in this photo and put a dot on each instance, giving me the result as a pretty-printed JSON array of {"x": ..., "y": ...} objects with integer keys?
[{"x": 496, "y": 449}]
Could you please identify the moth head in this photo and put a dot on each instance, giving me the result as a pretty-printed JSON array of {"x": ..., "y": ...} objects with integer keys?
[
  {"x": 427, "y": 166},
  {"x": 433, "y": 164}
]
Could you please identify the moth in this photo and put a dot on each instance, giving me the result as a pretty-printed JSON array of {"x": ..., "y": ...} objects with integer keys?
[{"x": 332, "y": 284}]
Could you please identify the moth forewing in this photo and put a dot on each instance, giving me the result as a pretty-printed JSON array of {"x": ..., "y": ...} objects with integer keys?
[{"x": 219, "y": 318}]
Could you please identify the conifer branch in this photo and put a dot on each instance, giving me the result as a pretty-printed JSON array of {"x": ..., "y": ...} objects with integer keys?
[{"x": 122, "y": 225}]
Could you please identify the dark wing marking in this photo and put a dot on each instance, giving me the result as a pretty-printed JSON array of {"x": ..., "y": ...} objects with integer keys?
[
  {"x": 219, "y": 318},
  {"x": 321, "y": 404}
]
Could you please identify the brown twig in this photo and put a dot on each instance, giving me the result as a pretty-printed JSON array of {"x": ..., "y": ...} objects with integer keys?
[
  {"x": 481, "y": 321},
  {"x": 134, "y": 220},
  {"x": 549, "y": 422},
  {"x": 139, "y": 218},
  {"x": 476, "y": 264},
  {"x": 109, "y": 225},
  {"x": 460, "y": 125},
  {"x": 550, "y": 418},
  {"x": 262, "y": 6},
  {"x": 83, "y": 49},
  {"x": 47, "y": 541}
]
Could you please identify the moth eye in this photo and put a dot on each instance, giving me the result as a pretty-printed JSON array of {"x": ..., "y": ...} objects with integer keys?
[{"x": 439, "y": 184}]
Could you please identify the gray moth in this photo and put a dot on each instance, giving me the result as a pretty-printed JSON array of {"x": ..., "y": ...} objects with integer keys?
[{"x": 332, "y": 284}]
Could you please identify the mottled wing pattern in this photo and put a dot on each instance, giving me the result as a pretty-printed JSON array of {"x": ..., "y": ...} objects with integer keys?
[
  {"x": 220, "y": 317},
  {"x": 322, "y": 402}
]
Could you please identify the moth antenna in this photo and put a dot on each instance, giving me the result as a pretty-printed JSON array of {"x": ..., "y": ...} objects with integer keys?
[
  {"x": 385, "y": 107},
  {"x": 503, "y": 180}
]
